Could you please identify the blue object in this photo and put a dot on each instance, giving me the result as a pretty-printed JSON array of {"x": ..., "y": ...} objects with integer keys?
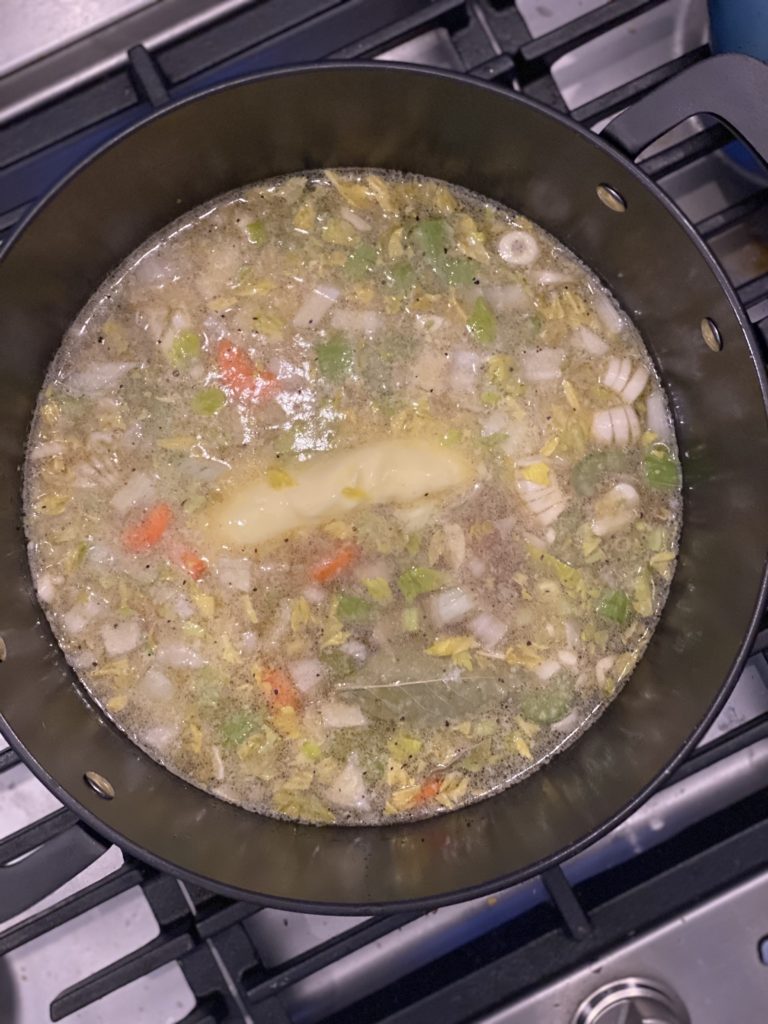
[{"x": 740, "y": 26}]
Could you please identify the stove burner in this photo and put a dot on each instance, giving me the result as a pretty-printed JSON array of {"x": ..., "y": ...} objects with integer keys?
[{"x": 632, "y": 1001}]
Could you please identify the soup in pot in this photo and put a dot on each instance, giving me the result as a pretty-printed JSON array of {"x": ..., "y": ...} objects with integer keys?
[{"x": 352, "y": 497}]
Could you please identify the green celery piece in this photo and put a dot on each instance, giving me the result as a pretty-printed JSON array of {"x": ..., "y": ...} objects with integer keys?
[
  {"x": 432, "y": 238},
  {"x": 456, "y": 270},
  {"x": 187, "y": 345},
  {"x": 237, "y": 727},
  {"x": 419, "y": 580},
  {"x": 379, "y": 589},
  {"x": 482, "y": 322},
  {"x": 334, "y": 357},
  {"x": 339, "y": 663},
  {"x": 547, "y": 704},
  {"x": 401, "y": 277},
  {"x": 361, "y": 262},
  {"x": 351, "y": 608},
  {"x": 257, "y": 233},
  {"x": 661, "y": 470},
  {"x": 207, "y": 401},
  {"x": 411, "y": 619},
  {"x": 615, "y": 605},
  {"x": 590, "y": 472}
]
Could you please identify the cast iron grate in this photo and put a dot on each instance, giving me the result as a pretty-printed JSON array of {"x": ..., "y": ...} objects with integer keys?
[{"x": 206, "y": 934}]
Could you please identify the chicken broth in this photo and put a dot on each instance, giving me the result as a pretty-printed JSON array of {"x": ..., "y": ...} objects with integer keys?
[{"x": 352, "y": 497}]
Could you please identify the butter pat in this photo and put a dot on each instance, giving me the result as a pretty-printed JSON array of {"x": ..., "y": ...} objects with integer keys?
[{"x": 331, "y": 485}]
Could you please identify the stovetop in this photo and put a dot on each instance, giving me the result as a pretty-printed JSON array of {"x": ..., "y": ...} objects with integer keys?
[{"x": 673, "y": 901}]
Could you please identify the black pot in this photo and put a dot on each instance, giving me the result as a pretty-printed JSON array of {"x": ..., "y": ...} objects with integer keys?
[{"x": 543, "y": 165}]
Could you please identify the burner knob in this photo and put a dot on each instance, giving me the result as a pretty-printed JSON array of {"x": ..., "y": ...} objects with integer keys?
[{"x": 632, "y": 1001}]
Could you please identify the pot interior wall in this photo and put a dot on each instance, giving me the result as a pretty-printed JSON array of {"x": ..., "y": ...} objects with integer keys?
[{"x": 504, "y": 148}]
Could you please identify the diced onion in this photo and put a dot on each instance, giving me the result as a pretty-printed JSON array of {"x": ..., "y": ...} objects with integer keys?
[
  {"x": 355, "y": 649},
  {"x": 313, "y": 593},
  {"x": 547, "y": 669},
  {"x": 306, "y": 673},
  {"x": 455, "y": 543},
  {"x": 603, "y": 667},
  {"x": 78, "y": 617},
  {"x": 488, "y": 629},
  {"x": 362, "y": 321},
  {"x": 46, "y": 588},
  {"x": 235, "y": 573},
  {"x": 120, "y": 637},
  {"x": 46, "y": 450},
  {"x": 658, "y": 419},
  {"x": 550, "y": 277},
  {"x": 566, "y": 725},
  {"x": 98, "y": 376},
  {"x": 607, "y": 313},
  {"x": 355, "y": 219},
  {"x": 218, "y": 764},
  {"x": 449, "y": 606},
  {"x": 569, "y": 659},
  {"x": 336, "y": 714},
  {"x": 586, "y": 340},
  {"x": 179, "y": 655},
  {"x": 616, "y": 510},
  {"x": 348, "y": 789},
  {"x": 507, "y": 298},
  {"x": 540, "y": 365},
  {"x": 465, "y": 366},
  {"x": 477, "y": 567},
  {"x": 316, "y": 305},
  {"x": 518, "y": 248},
  {"x": 156, "y": 685},
  {"x": 139, "y": 490}
]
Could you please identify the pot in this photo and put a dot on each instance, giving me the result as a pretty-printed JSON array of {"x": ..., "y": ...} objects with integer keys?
[{"x": 586, "y": 192}]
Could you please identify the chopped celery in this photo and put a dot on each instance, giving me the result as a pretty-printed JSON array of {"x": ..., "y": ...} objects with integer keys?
[
  {"x": 353, "y": 609},
  {"x": 615, "y": 605},
  {"x": 338, "y": 662},
  {"x": 411, "y": 619},
  {"x": 482, "y": 323},
  {"x": 311, "y": 750},
  {"x": 209, "y": 400},
  {"x": 660, "y": 467},
  {"x": 591, "y": 472},
  {"x": 432, "y": 239},
  {"x": 361, "y": 262},
  {"x": 456, "y": 271},
  {"x": 238, "y": 727},
  {"x": 186, "y": 346},
  {"x": 548, "y": 703},
  {"x": 379, "y": 589},
  {"x": 256, "y": 231},
  {"x": 334, "y": 357},
  {"x": 400, "y": 277}
]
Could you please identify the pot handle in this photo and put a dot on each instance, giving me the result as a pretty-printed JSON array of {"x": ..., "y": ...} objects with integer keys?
[
  {"x": 55, "y": 862},
  {"x": 731, "y": 87}
]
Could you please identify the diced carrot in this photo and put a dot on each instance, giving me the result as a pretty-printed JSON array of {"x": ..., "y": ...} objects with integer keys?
[
  {"x": 239, "y": 375},
  {"x": 429, "y": 790},
  {"x": 191, "y": 562},
  {"x": 329, "y": 568},
  {"x": 279, "y": 689},
  {"x": 149, "y": 530}
]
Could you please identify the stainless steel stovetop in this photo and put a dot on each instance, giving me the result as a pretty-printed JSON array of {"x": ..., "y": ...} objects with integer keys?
[{"x": 709, "y": 959}]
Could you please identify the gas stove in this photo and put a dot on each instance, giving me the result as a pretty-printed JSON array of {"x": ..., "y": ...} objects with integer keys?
[{"x": 663, "y": 920}]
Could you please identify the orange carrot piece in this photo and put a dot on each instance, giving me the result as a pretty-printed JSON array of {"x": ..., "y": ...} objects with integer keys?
[
  {"x": 333, "y": 566},
  {"x": 429, "y": 790},
  {"x": 149, "y": 530},
  {"x": 239, "y": 375},
  {"x": 279, "y": 689},
  {"x": 192, "y": 563}
]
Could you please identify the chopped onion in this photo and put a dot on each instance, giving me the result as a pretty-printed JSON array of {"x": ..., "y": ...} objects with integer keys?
[
  {"x": 316, "y": 305},
  {"x": 46, "y": 588},
  {"x": 139, "y": 490},
  {"x": 160, "y": 737},
  {"x": 430, "y": 322},
  {"x": 571, "y": 632},
  {"x": 507, "y": 298},
  {"x": 355, "y": 649},
  {"x": 550, "y": 277},
  {"x": 314, "y": 593},
  {"x": 477, "y": 567},
  {"x": 98, "y": 376},
  {"x": 47, "y": 450},
  {"x": 539, "y": 365},
  {"x": 658, "y": 419},
  {"x": 338, "y": 715},
  {"x": 355, "y": 219},
  {"x": 449, "y": 606},
  {"x": 79, "y": 615},
  {"x": 120, "y": 637},
  {"x": 488, "y": 629},
  {"x": 306, "y": 673},
  {"x": 566, "y": 725},
  {"x": 586, "y": 340},
  {"x": 617, "y": 426},
  {"x": 603, "y": 667},
  {"x": 218, "y": 764},
  {"x": 455, "y": 543},
  {"x": 569, "y": 659},
  {"x": 464, "y": 369},
  {"x": 203, "y": 469},
  {"x": 179, "y": 655},
  {"x": 616, "y": 510},
  {"x": 547, "y": 669},
  {"x": 235, "y": 573},
  {"x": 607, "y": 313},
  {"x": 156, "y": 685},
  {"x": 348, "y": 788},
  {"x": 518, "y": 248},
  {"x": 362, "y": 321}
]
